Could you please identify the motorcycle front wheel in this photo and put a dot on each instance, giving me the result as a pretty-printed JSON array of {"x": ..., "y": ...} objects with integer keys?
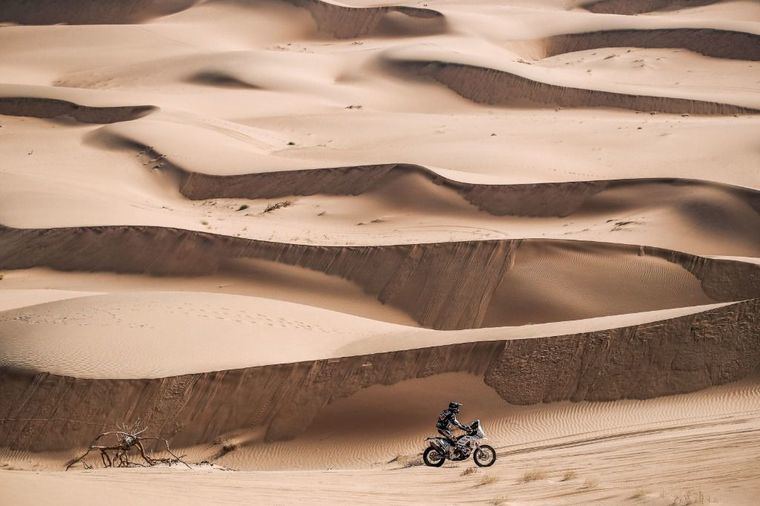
[
  {"x": 484, "y": 456},
  {"x": 432, "y": 457}
]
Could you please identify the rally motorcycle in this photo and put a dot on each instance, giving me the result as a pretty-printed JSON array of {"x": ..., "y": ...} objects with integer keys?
[{"x": 441, "y": 448}]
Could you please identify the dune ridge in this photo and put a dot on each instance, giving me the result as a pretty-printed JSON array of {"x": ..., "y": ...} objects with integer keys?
[
  {"x": 433, "y": 283},
  {"x": 40, "y": 411},
  {"x": 628, "y": 7},
  {"x": 54, "y": 108},
  {"x": 535, "y": 199},
  {"x": 706, "y": 41},
  {"x": 85, "y": 12},
  {"x": 497, "y": 87},
  {"x": 538, "y": 199},
  {"x": 344, "y": 22}
]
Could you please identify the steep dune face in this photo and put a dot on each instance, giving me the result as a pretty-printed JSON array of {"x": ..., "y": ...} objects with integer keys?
[
  {"x": 641, "y": 6},
  {"x": 53, "y": 108},
  {"x": 495, "y": 87},
  {"x": 444, "y": 286},
  {"x": 544, "y": 199},
  {"x": 46, "y": 412},
  {"x": 83, "y": 12},
  {"x": 709, "y": 42},
  {"x": 345, "y": 22},
  {"x": 539, "y": 200}
]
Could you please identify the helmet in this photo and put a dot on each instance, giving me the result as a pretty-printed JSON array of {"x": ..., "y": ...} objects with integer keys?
[{"x": 454, "y": 406}]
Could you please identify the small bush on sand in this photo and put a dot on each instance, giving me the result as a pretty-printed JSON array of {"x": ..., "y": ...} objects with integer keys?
[
  {"x": 277, "y": 205},
  {"x": 533, "y": 475},
  {"x": 569, "y": 475},
  {"x": 469, "y": 470},
  {"x": 498, "y": 501},
  {"x": 487, "y": 480},
  {"x": 243, "y": 207}
]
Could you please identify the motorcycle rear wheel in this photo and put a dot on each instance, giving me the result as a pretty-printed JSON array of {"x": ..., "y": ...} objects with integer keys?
[
  {"x": 431, "y": 457},
  {"x": 484, "y": 456}
]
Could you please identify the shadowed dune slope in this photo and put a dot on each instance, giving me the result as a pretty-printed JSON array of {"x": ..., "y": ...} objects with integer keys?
[
  {"x": 41, "y": 411},
  {"x": 539, "y": 199},
  {"x": 440, "y": 285},
  {"x": 641, "y": 6},
  {"x": 84, "y": 12},
  {"x": 345, "y": 22},
  {"x": 53, "y": 108},
  {"x": 706, "y": 41},
  {"x": 496, "y": 87}
]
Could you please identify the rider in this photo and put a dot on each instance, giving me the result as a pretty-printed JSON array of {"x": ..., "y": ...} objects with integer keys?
[{"x": 446, "y": 419}]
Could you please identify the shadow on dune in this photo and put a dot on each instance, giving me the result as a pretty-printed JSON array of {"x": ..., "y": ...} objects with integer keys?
[
  {"x": 346, "y": 22},
  {"x": 706, "y": 41},
  {"x": 220, "y": 79},
  {"x": 641, "y": 6},
  {"x": 54, "y": 108},
  {"x": 501, "y": 88},
  {"x": 531, "y": 199},
  {"x": 88, "y": 12}
]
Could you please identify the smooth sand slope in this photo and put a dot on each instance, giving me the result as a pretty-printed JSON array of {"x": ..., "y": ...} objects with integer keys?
[
  {"x": 285, "y": 233},
  {"x": 171, "y": 331}
]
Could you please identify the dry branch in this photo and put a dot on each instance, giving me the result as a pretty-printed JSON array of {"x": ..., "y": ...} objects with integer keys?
[{"x": 126, "y": 441}]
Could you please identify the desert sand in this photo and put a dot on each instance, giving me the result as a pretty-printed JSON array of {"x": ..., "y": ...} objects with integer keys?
[{"x": 284, "y": 234}]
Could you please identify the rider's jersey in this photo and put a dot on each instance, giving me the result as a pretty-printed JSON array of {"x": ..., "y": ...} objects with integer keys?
[{"x": 446, "y": 419}]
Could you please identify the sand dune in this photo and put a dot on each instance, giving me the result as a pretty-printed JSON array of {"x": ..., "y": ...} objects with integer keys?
[
  {"x": 642, "y": 361},
  {"x": 285, "y": 233},
  {"x": 346, "y": 22},
  {"x": 641, "y": 6},
  {"x": 409, "y": 277},
  {"x": 77, "y": 12},
  {"x": 547, "y": 199},
  {"x": 709, "y": 42},
  {"x": 61, "y": 109},
  {"x": 13, "y": 299},
  {"x": 496, "y": 87},
  {"x": 63, "y": 333}
]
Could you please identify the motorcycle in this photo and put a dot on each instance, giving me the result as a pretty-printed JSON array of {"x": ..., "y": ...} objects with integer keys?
[{"x": 440, "y": 448}]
